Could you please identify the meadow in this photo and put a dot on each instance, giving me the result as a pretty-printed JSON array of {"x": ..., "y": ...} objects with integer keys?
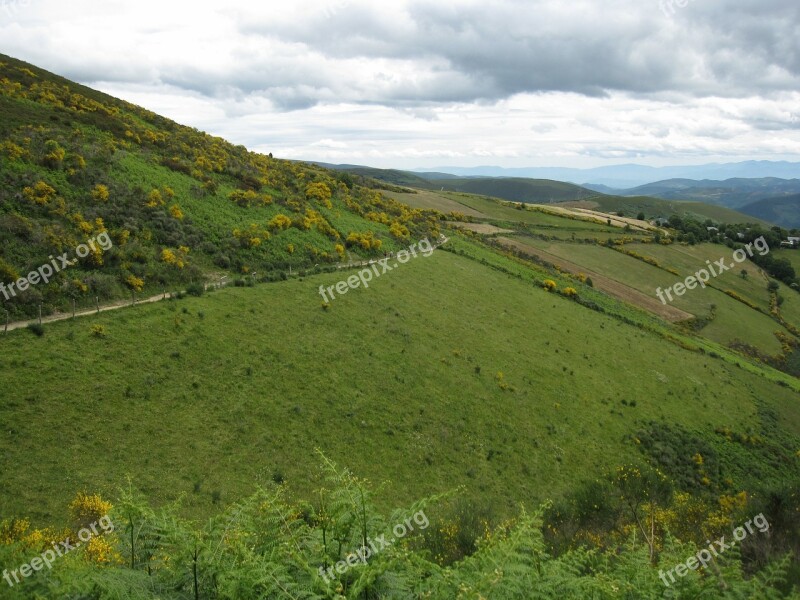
[{"x": 499, "y": 394}]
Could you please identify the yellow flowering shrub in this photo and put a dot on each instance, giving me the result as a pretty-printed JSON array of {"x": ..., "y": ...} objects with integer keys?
[
  {"x": 86, "y": 509},
  {"x": 40, "y": 193}
]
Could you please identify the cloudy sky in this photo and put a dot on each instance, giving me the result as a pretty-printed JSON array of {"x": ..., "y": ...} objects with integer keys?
[{"x": 408, "y": 83}]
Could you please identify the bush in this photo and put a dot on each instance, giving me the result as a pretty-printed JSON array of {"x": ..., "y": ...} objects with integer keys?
[
  {"x": 195, "y": 289},
  {"x": 36, "y": 329}
]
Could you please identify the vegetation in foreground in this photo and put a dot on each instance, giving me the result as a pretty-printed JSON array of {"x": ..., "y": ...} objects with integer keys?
[{"x": 339, "y": 545}]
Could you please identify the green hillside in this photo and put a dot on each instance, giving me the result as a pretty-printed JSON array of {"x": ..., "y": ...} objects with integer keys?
[
  {"x": 654, "y": 207},
  {"x": 517, "y": 189},
  {"x": 561, "y": 429},
  {"x": 176, "y": 205},
  {"x": 784, "y": 210}
]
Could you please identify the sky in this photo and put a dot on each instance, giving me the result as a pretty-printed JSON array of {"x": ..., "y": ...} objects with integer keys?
[{"x": 412, "y": 84}]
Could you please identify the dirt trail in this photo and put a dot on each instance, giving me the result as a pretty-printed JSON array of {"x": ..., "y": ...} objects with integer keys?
[
  {"x": 123, "y": 303},
  {"x": 606, "y": 284},
  {"x": 85, "y": 313}
]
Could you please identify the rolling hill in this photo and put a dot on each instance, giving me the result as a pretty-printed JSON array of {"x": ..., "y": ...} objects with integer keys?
[
  {"x": 541, "y": 191},
  {"x": 731, "y": 193},
  {"x": 784, "y": 210}
]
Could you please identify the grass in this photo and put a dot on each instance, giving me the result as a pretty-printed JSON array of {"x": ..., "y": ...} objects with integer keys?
[
  {"x": 654, "y": 207},
  {"x": 398, "y": 381},
  {"x": 734, "y": 321}
]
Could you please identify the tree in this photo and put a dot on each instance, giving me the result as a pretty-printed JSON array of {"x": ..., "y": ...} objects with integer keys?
[
  {"x": 675, "y": 221},
  {"x": 640, "y": 216},
  {"x": 743, "y": 273}
]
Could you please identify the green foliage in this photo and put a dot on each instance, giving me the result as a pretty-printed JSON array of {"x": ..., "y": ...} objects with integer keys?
[
  {"x": 267, "y": 546},
  {"x": 195, "y": 289}
]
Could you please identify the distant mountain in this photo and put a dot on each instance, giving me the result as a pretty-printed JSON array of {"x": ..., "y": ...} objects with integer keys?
[
  {"x": 784, "y": 211},
  {"x": 732, "y": 193},
  {"x": 632, "y": 175}
]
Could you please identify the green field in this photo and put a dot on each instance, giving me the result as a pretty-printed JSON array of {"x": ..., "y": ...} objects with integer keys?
[
  {"x": 654, "y": 207},
  {"x": 388, "y": 376},
  {"x": 734, "y": 321}
]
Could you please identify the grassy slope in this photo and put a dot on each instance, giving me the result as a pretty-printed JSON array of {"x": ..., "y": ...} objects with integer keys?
[
  {"x": 784, "y": 211},
  {"x": 384, "y": 382},
  {"x": 106, "y": 141},
  {"x": 246, "y": 383},
  {"x": 654, "y": 207},
  {"x": 734, "y": 320}
]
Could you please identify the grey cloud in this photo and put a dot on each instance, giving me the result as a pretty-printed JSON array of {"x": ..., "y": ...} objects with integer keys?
[{"x": 497, "y": 50}]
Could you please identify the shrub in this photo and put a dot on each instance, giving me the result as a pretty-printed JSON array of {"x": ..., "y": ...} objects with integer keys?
[
  {"x": 549, "y": 285},
  {"x": 195, "y": 289},
  {"x": 36, "y": 329},
  {"x": 86, "y": 509},
  {"x": 98, "y": 331}
]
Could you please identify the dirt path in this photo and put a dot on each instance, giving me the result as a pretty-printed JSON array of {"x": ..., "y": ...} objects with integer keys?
[
  {"x": 123, "y": 303},
  {"x": 86, "y": 313},
  {"x": 610, "y": 286}
]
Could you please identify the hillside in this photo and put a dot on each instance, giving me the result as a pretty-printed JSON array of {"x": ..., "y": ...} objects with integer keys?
[
  {"x": 520, "y": 385},
  {"x": 176, "y": 205},
  {"x": 649, "y": 198},
  {"x": 735, "y": 193},
  {"x": 654, "y": 208},
  {"x": 516, "y": 189},
  {"x": 784, "y": 211}
]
